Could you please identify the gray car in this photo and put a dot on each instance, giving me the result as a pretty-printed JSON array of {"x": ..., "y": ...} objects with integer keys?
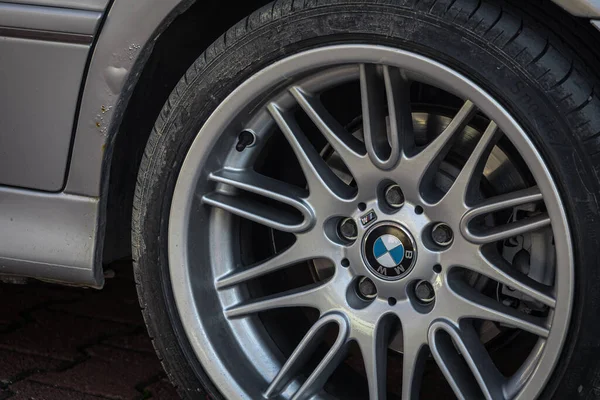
[{"x": 323, "y": 199}]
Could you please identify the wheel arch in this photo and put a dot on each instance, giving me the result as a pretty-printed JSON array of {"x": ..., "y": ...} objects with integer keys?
[{"x": 180, "y": 40}]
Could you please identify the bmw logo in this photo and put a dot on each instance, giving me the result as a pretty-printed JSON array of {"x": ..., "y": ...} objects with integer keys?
[{"x": 389, "y": 251}]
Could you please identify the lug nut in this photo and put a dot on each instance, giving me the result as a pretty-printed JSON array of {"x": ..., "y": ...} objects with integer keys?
[
  {"x": 348, "y": 229},
  {"x": 442, "y": 235},
  {"x": 394, "y": 196},
  {"x": 366, "y": 288},
  {"x": 424, "y": 292}
]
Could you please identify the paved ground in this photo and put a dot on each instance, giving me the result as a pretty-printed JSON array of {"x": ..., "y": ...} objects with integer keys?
[{"x": 60, "y": 343}]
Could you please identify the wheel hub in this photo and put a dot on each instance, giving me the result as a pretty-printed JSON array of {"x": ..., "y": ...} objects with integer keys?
[{"x": 389, "y": 251}]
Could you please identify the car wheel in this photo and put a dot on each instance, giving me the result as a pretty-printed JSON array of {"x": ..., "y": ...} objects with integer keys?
[{"x": 375, "y": 199}]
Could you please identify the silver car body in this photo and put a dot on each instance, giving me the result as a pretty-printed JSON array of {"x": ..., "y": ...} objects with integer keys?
[{"x": 68, "y": 69}]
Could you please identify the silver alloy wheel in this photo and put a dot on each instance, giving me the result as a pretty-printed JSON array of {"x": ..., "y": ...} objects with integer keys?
[{"x": 217, "y": 312}]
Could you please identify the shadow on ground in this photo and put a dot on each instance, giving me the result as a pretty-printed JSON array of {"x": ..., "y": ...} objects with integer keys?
[{"x": 77, "y": 344}]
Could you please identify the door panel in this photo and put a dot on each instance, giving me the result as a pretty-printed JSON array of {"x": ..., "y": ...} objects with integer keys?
[
  {"x": 39, "y": 85},
  {"x": 43, "y": 52}
]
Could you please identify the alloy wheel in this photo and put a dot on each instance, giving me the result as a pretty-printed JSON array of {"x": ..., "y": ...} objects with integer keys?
[{"x": 404, "y": 262}]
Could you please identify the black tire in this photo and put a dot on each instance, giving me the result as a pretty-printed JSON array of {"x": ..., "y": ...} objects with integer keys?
[{"x": 545, "y": 83}]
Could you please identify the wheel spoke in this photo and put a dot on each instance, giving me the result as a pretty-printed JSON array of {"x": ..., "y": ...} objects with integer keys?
[
  {"x": 300, "y": 251},
  {"x": 413, "y": 363},
  {"x": 398, "y": 98},
  {"x": 303, "y": 353},
  {"x": 350, "y": 149},
  {"x": 482, "y": 372},
  {"x": 491, "y": 264},
  {"x": 257, "y": 212},
  {"x": 501, "y": 232},
  {"x": 318, "y": 174},
  {"x": 373, "y": 343},
  {"x": 385, "y": 150},
  {"x": 471, "y": 304},
  {"x": 307, "y": 296},
  {"x": 469, "y": 177},
  {"x": 512, "y": 229},
  {"x": 260, "y": 212},
  {"x": 427, "y": 161}
]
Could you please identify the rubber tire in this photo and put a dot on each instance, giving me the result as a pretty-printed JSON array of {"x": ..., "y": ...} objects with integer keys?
[{"x": 519, "y": 60}]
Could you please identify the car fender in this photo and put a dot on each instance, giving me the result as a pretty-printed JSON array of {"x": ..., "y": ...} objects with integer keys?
[{"x": 120, "y": 52}]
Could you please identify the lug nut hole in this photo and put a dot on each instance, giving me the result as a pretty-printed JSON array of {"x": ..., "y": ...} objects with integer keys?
[
  {"x": 392, "y": 301},
  {"x": 345, "y": 263},
  {"x": 437, "y": 268},
  {"x": 362, "y": 206},
  {"x": 418, "y": 210}
]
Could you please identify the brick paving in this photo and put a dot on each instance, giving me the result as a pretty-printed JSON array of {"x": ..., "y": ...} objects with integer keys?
[{"x": 62, "y": 343}]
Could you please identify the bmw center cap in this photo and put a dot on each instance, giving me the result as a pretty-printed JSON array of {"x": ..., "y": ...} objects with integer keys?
[{"x": 389, "y": 251}]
